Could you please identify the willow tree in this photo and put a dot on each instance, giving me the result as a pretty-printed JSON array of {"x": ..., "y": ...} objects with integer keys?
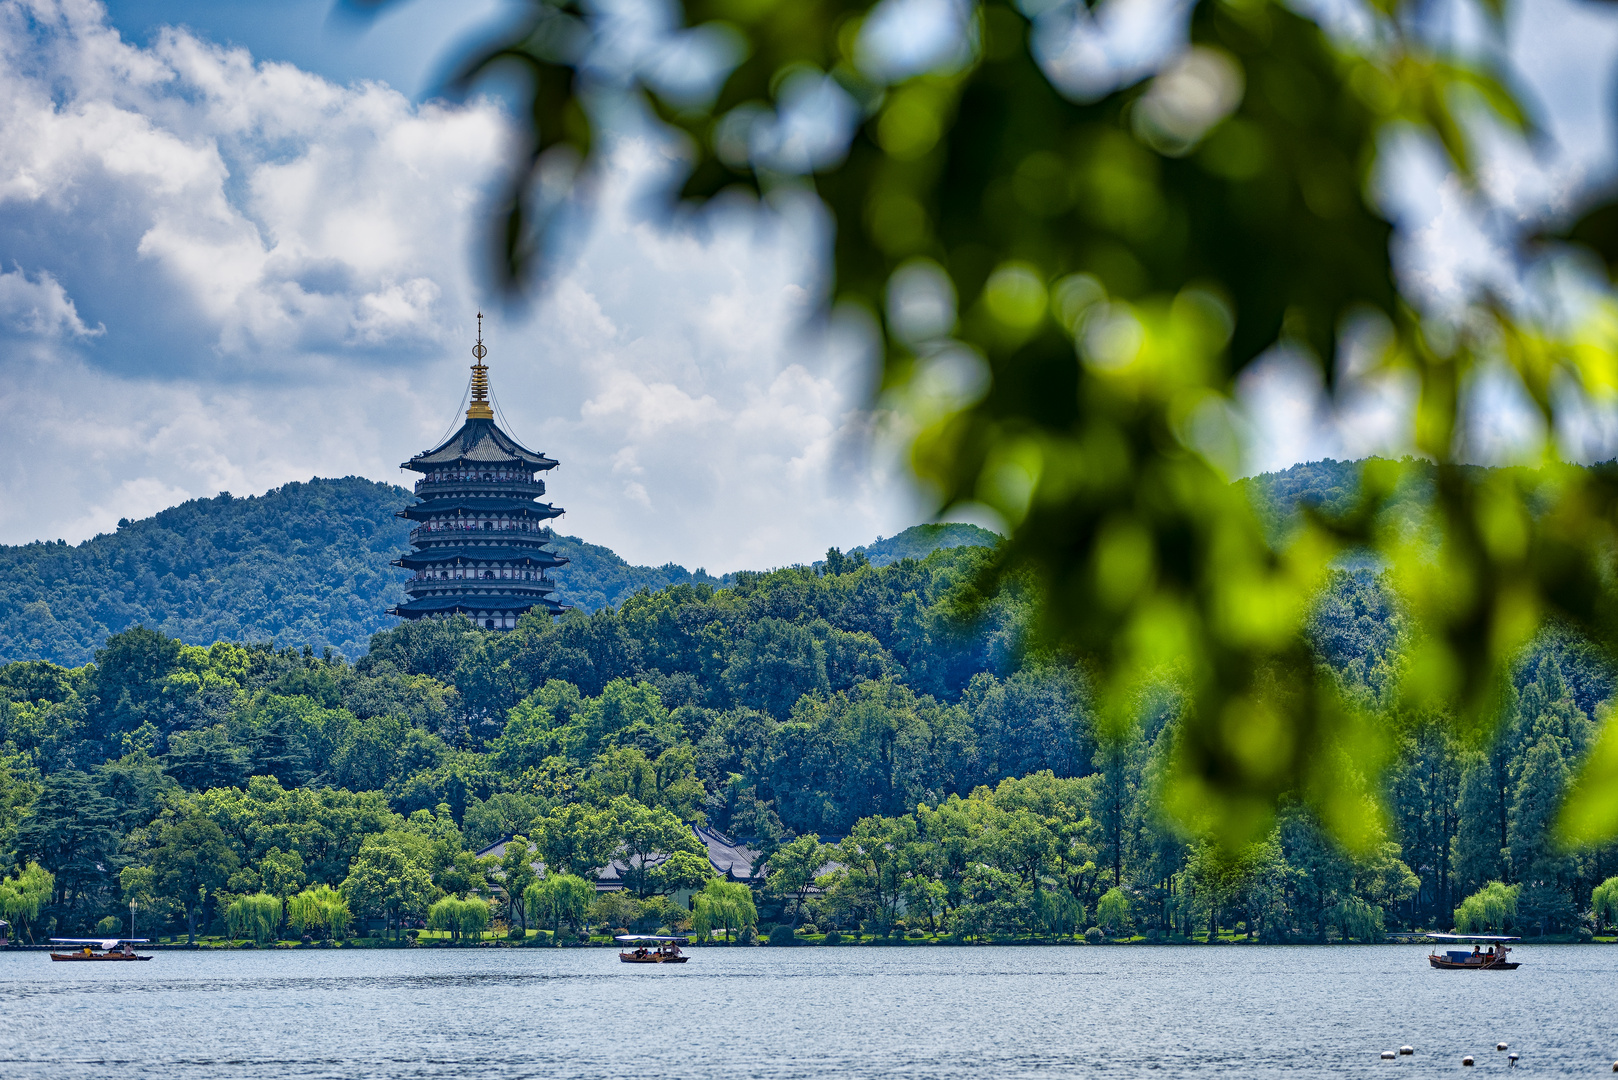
[
  {"x": 22, "y": 896},
  {"x": 461, "y": 918},
  {"x": 321, "y": 909},
  {"x": 1066, "y": 273},
  {"x": 1487, "y": 909},
  {"x": 257, "y": 916},
  {"x": 558, "y": 899},
  {"x": 1604, "y": 903},
  {"x": 723, "y": 905}
]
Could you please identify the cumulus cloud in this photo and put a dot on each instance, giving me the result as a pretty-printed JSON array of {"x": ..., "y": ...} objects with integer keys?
[
  {"x": 230, "y": 273},
  {"x": 39, "y": 307}
]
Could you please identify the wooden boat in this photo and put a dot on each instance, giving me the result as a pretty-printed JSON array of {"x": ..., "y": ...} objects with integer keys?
[
  {"x": 652, "y": 949},
  {"x": 112, "y": 949},
  {"x": 1477, "y": 959}
]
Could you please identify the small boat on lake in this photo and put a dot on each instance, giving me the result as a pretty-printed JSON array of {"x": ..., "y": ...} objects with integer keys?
[
  {"x": 111, "y": 949},
  {"x": 652, "y": 949},
  {"x": 1477, "y": 959}
]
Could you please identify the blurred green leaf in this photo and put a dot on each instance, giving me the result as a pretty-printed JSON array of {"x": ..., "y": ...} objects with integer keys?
[{"x": 1590, "y": 813}]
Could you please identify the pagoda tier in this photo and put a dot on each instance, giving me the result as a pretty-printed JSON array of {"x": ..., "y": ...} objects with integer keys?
[{"x": 480, "y": 545}]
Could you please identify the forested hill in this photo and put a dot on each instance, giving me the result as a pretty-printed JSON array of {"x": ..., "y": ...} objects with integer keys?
[
  {"x": 307, "y": 563},
  {"x": 919, "y": 541}
]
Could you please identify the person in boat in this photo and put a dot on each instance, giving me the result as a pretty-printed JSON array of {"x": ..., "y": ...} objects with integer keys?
[{"x": 1477, "y": 952}]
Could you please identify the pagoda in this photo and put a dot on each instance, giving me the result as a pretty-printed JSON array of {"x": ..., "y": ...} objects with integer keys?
[{"x": 480, "y": 541}]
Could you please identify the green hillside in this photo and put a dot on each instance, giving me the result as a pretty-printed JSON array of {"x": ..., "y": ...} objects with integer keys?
[
  {"x": 307, "y": 563},
  {"x": 920, "y": 541},
  {"x": 303, "y": 563}
]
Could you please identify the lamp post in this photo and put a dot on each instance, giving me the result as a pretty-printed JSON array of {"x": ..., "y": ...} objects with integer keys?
[{"x": 132, "y": 918}]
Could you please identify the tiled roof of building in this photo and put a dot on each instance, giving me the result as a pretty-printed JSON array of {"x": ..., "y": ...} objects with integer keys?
[{"x": 729, "y": 858}]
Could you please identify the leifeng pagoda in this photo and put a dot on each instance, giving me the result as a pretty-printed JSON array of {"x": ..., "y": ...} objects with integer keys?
[{"x": 480, "y": 545}]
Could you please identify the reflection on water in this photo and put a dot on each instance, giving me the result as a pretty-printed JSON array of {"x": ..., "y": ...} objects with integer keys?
[{"x": 927, "y": 1013}]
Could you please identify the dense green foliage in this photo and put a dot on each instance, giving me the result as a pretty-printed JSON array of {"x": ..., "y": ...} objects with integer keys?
[
  {"x": 958, "y": 779},
  {"x": 305, "y": 563},
  {"x": 919, "y": 541}
]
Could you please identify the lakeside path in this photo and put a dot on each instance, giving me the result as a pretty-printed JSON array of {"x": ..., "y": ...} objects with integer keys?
[{"x": 801, "y": 1013}]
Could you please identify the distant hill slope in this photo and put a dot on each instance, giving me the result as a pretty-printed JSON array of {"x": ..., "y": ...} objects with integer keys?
[
  {"x": 919, "y": 541},
  {"x": 307, "y": 562},
  {"x": 597, "y": 577},
  {"x": 304, "y": 563}
]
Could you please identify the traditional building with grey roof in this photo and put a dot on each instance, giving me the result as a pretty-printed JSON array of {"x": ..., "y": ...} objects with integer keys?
[{"x": 730, "y": 859}]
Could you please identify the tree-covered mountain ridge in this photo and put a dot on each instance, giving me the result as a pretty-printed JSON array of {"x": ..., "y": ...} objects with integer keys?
[{"x": 305, "y": 563}]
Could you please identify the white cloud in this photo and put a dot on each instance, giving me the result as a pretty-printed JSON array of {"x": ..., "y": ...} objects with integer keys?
[
  {"x": 230, "y": 274},
  {"x": 39, "y": 307}
]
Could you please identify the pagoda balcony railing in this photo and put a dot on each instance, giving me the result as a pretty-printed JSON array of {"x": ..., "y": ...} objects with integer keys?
[
  {"x": 479, "y": 576},
  {"x": 444, "y": 530},
  {"x": 433, "y": 484}
]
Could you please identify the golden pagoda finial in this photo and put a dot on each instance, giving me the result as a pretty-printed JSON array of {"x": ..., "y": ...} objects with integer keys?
[{"x": 479, "y": 409}]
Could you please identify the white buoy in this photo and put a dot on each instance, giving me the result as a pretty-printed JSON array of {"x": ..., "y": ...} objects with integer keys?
[
  {"x": 1387, "y": 1055},
  {"x": 1499, "y": 1046},
  {"x": 1407, "y": 1050},
  {"x": 1467, "y": 1060},
  {"x": 1512, "y": 1057}
]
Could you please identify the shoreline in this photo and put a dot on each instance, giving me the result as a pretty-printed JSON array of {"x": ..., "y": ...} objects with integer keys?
[{"x": 370, "y": 944}]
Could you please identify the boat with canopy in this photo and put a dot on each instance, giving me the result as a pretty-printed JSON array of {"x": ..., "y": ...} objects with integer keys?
[
  {"x": 1494, "y": 959},
  {"x": 111, "y": 948},
  {"x": 652, "y": 949}
]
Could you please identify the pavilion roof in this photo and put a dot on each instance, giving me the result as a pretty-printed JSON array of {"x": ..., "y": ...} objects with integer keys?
[{"x": 728, "y": 857}]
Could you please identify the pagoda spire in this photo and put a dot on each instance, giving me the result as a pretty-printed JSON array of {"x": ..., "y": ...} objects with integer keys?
[{"x": 479, "y": 409}]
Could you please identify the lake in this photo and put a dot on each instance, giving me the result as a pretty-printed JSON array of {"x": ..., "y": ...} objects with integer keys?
[{"x": 803, "y": 1013}]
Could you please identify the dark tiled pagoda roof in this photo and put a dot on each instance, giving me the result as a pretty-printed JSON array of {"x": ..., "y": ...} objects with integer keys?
[
  {"x": 434, "y": 556},
  {"x": 479, "y": 442},
  {"x": 438, "y": 605},
  {"x": 490, "y": 504}
]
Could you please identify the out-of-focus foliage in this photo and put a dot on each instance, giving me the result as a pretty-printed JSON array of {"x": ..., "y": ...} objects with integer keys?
[{"x": 1067, "y": 279}]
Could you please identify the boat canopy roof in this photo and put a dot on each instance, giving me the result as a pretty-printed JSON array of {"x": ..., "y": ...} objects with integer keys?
[
  {"x": 104, "y": 942},
  {"x": 1471, "y": 937},
  {"x": 630, "y": 938}
]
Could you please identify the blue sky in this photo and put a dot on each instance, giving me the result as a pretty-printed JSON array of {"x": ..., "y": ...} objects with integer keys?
[
  {"x": 239, "y": 245},
  {"x": 408, "y": 44}
]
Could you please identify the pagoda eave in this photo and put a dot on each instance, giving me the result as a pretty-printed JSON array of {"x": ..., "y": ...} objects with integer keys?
[
  {"x": 536, "y": 556},
  {"x": 447, "y": 605},
  {"x": 479, "y": 508}
]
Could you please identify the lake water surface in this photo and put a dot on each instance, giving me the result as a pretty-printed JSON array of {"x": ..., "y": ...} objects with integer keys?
[{"x": 803, "y": 1013}]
